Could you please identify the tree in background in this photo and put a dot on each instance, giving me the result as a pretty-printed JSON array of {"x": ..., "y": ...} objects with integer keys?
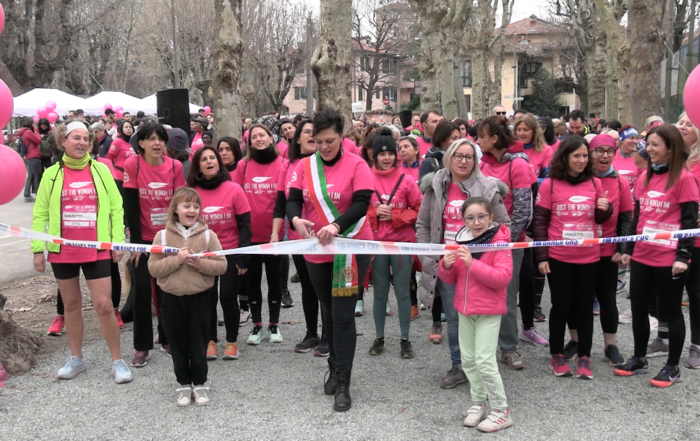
[
  {"x": 227, "y": 61},
  {"x": 544, "y": 100}
]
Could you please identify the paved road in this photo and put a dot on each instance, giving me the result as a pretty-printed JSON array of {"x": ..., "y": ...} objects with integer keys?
[
  {"x": 273, "y": 393},
  {"x": 15, "y": 255}
]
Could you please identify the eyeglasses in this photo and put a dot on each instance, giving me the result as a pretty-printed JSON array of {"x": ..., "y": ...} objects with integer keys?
[
  {"x": 601, "y": 152},
  {"x": 482, "y": 218},
  {"x": 500, "y": 113},
  {"x": 459, "y": 157}
]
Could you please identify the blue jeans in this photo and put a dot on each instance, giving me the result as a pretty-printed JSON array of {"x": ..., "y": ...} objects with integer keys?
[
  {"x": 508, "y": 335},
  {"x": 447, "y": 293}
]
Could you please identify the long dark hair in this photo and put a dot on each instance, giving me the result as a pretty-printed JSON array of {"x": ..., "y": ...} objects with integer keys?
[
  {"x": 195, "y": 170},
  {"x": 678, "y": 154},
  {"x": 443, "y": 131},
  {"x": 497, "y": 125},
  {"x": 43, "y": 122},
  {"x": 367, "y": 145},
  {"x": 559, "y": 167},
  {"x": 235, "y": 147},
  {"x": 120, "y": 129},
  {"x": 294, "y": 150}
]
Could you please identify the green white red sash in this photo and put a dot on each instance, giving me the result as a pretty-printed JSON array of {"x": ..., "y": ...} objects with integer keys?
[{"x": 345, "y": 281}]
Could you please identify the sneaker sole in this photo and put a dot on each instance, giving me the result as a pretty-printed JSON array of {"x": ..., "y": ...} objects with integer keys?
[
  {"x": 75, "y": 374},
  {"x": 302, "y": 351},
  {"x": 541, "y": 320},
  {"x": 584, "y": 376},
  {"x": 436, "y": 341},
  {"x": 563, "y": 374},
  {"x": 663, "y": 384},
  {"x": 230, "y": 357},
  {"x": 624, "y": 321},
  {"x": 612, "y": 363},
  {"x": 504, "y": 426},
  {"x": 526, "y": 339},
  {"x": 183, "y": 404},
  {"x": 406, "y": 356},
  {"x": 287, "y": 306},
  {"x": 54, "y": 334},
  {"x": 253, "y": 343},
  {"x": 692, "y": 366},
  {"x": 359, "y": 314},
  {"x": 376, "y": 353},
  {"x": 211, "y": 357},
  {"x": 621, "y": 373},
  {"x": 276, "y": 341},
  {"x": 123, "y": 381},
  {"x": 319, "y": 354}
]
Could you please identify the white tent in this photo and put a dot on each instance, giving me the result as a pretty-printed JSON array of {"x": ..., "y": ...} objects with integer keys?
[
  {"x": 28, "y": 103},
  {"x": 96, "y": 105},
  {"x": 150, "y": 105}
]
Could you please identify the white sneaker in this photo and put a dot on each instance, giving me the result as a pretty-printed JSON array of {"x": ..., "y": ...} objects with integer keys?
[
  {"x": 625, "y": 318},
  {"x": 275, "y": 334},
  {"x": 244, "y": 319},
  {"x": 184, "y": 397},
  {"x": 496, "y": 421},
  {"x": 199, "y": 393},
  {"x": 121, "y": 372},
  {"x": 653, "y": 323},
  {"x": 422, "y": 307},
  {"x": 256, "y": 335},
  {"x": 476, "y": 414}
]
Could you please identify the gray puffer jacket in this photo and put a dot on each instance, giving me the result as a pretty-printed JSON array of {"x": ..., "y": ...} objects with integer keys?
[{"x": 429, "y": 228}]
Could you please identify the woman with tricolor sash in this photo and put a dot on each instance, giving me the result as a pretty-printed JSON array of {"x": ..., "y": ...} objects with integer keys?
[{"x": 329, "y": 196}]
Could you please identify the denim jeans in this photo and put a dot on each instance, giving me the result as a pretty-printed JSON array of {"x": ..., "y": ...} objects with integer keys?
[
  {"x": 447, "y": 293},
  {"x": 508, "y": 335}
]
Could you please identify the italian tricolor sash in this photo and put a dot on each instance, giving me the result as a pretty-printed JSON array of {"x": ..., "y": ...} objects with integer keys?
[{"x": 345, "y": 281}]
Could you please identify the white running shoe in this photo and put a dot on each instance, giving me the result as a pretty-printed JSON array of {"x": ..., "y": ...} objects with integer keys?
[
  {"x": 184, "y": 397},
  {"x": 476, "y": 414},
  {"x": 653, "y": 323},
  {"x": 625, "y": 318},
  {"x": 256, "y": 335},
  {"x": 275, "y": 334}
]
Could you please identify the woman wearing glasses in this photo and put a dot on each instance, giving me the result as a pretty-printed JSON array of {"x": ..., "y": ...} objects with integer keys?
[{"x": 439, "y": 221}]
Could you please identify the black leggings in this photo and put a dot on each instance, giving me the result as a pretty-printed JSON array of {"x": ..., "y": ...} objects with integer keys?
[
  {"x": 527, "y": 289},
  {"x": 605, "y": 291},
  {"x": 437, "y": 307},
  {"x": 273, "y": 265},
  {"x": 692, "y": 285},
  {"x": 143, "y": 297},
  {"x": 572, "y": 290},
  {"x": 309, "y": 299},
  {"x": 227, "y": 293},
  {"x": 644, "y": 282},
  {"x": 284, "y": 274},
  {"x": 414, "y": 289},
  {"x": 338, "y": 312},
  {"x": 116, "y": 290}
]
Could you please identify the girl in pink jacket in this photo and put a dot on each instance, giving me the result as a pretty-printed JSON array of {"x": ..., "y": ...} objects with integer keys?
[{"x": 480, "y": 298}]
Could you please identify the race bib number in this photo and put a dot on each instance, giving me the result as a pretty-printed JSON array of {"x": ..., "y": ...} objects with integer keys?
[
  {"x": 578, "y": 231},
  {"x": 159, "y": 216},
  {"x": 662, "y": 228},
  {"x": 80, "y": 217}
]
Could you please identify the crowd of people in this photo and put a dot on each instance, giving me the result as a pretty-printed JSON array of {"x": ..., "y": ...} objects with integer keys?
[{"x": 497, "y": 180}]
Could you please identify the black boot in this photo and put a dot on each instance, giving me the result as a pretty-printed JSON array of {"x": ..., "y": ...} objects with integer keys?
[
  {"x": 343, "y": 402},
  {"x": 331, "y": 384}
]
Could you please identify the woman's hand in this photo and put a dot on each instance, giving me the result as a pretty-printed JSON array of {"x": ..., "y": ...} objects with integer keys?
[
  {"x": 529, "y": 239},
  {"x": 678, "y": 268},
  {"x": 384, "y": 212},
  {"x": 304, "y": 227},
  {"x": 544, "y": 267},
  {"x": 241, "y": 271},
  {"x": 182, "y": 255},
  {"x": 40, "y": 262},
  {"x": 603, "y": 202},
  {"x": 449, "y": 259},
  {"x": 274, "y": 238},
  {"x": 616, "y": 258},
  {"x": 135, "y": 256},
  {"x": 625, "y": 259},
  {"x": 465, "y": 256},
  {"x": 326, "y": 234},
  {"x": 194, "y": 262},
  {"x": 117, "y": 256}
]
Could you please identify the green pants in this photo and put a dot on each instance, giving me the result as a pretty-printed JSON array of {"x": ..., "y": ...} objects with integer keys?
[
  {"x": 401, "y": 271},
  {"x": 478, "y": 340}
]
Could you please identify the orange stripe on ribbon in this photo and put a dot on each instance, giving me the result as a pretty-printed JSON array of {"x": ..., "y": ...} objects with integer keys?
[
  {"x": 666, "y": 235},
  {"x": 591, "y": 242},
  {"x": 521, "y": 244}
]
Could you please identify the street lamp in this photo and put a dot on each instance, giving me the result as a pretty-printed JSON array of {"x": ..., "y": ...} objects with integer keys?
[{"x": 523, "y": 41}]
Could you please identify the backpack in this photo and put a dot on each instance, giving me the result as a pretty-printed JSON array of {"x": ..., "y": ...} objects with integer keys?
[
  {"x": 45, "y": 148},
  {"x": 21, "y": 148}
]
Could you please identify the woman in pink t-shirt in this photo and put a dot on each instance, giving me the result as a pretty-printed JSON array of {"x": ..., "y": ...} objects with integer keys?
[
  {"x": 528, "y": 131},
  {"x": 624, "y": 163},
  {"x": 78, "y": 199},
  {"x": 666, "y": 199},
  {"x": 332, "y": 199},
  {"x": 227, "y": 212},
  {"x": 570, "y": 203},
  {"x": 120, "y": 151},
  {"x": 392, "y": 217},
  {"x": 150, "y": 179},
  {"x": 258, "y": 174},
  {"x": 408, "y": 154}
]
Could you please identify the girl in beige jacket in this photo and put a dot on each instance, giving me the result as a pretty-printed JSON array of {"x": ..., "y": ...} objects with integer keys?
[{"x": 185, "y": 281}]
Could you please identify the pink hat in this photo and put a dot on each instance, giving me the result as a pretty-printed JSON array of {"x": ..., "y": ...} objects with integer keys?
[{"x": 603, "y": 140}]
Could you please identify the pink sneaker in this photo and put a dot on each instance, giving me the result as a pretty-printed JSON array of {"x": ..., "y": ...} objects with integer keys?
[
  {"x": 119, "y": 318},
  {"x": 534, "y": 337},
  {"x": 584, "y": 369},
  {"x": 58, "y": 326},
  {"x": 559, "y": 367},
  {"x": 3, "y": 374}
]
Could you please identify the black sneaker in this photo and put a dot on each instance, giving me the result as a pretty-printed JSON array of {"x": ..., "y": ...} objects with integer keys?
[
  {"x": 307, "y": 344},
  {"x": 322, "y": 350},
  {"x": 612, "y": 354},
  {"x": 295, "y": 278},
  {"x": 634, "y": 366},
  {"x": 406, "y": 349},
  {"x": 221, "y": 323},
  {"x": 377, "y": 347},
  {"x": 668, "y": 375},
  {"x": 539, "y": 315},
  {"x": 570, "y": 350},
  {"x": 287, "y": 301}
]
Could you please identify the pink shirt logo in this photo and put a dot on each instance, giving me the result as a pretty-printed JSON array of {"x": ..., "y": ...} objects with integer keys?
[
  {"x": 209, "y": 210},
  {"x": 579, "y": 199},
  {"x": 79, "y": 184},
  {"x": 655, "y": 194},
  {"x": 457, "y": 203},
  {"x": 261, "y": 179},
  {"x": 156, "y": 185}
]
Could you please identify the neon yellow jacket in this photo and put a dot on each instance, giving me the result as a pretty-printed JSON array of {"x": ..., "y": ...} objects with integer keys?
[{"x": 47, "y": 208}]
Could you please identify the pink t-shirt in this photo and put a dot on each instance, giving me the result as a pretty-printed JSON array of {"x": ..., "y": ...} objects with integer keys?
[
  {"x": 620, "y": 198},
  {"x": 349, "y": 146},
  {"x": 659, "y": 211},
  {"x": 515, "y": 174},
  {"x": 196, "y": 142},
  {"x": 424, "y": 146},
  {"x": 156, "y": 185},
  {"x": 573, "y": 217},
  {"x": 283, "y": 147},
  {"x": 220, "y": 207},
  {"x": 452, "y": 214},
  {"x": 109, "y": 165},
  {"x": 625, "y": 167},
  {"x": 555, "y": 146},
  {"x": 285, "y": 182},
  {"x": 78, "y": 217},
  {"x": 407, "y": 194},
  {"x": 350, "y": 174},
  {"x": 539, "y": 160},
  {"x": 259, "y": 182},
  {"x": 412, "y": 172},
  {"x": 695, "y": 170},
  {"x": 119, "y": 152}
]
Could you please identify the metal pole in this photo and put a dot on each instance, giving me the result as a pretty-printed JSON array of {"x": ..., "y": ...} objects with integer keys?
[
  {"x": 515, "y": 79},
  {"x": 177, "y": 55},
  {"x": 309, "y": 74}
]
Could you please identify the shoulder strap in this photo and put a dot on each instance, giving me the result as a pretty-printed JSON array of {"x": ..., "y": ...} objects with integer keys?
[
  {"x": 434, "y": 164},
  {"x": 393, "y": 192}
]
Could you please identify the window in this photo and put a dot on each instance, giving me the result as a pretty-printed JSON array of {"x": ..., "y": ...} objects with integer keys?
[
  {"x": 300, "y": 93},
  {"x": 390, "y": 92},
  {"x": 376, "y": 93},
  {"x": 390, "y": 65},
  {"x": 466, "y": 74},
  {"x": 361, "y": 94}
]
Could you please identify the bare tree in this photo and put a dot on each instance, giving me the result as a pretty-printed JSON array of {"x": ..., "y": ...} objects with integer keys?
[{"x": 228, "y": 53}]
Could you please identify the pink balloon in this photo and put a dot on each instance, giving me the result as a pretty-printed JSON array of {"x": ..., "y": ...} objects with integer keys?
[
  {"x": 207, "y": 110},
  {"x": 51, "y": 104},
  {"x": 120, "y": 114},
  {"x": 52, "y": 117},
  {"x": 118, "y": 108},
  {"x": 108, "y": 106},
  {"x": 691, "y": 96},
  {"x": 42, "y": 112},
  {"x": 36, "y": 119},
  {"x": 13, "y": 174},
  {"x": 2, "y": 18},
  {"x": 6, "y": 104}
]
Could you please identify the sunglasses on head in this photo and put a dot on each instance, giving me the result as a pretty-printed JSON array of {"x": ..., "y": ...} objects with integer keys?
[{"x": 501, "y": 113}]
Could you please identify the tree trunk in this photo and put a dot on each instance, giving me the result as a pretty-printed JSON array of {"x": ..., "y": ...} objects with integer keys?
[
  {"x": 646, "y": 52},
  {"x": 596, "y": 78},
  {"x": 226, "y": 62},
  {"x": 428, "y": 21},
  {"x": 18, "y": 346},
  {"x": 446, "y": 72},
  {"x": 462, "y": 110},
  {"x": 332, "y": 60}
]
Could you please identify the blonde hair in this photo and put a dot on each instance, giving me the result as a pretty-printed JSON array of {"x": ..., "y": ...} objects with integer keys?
[
  {"x": 693, "y": 150},
  {"x": 612, "y": 132},
  {"x": 538, "y": 142},
  {"x": 61, "y": 131},
  {"x": 184, "y": 194},
  {"x": 559, "y": 128},
  {"x": 451, "y": 152}
]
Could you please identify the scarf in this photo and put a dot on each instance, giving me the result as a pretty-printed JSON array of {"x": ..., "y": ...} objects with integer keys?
[
  {"x": 576, "y": 180},
  {"x": 231, "y": 167},
  {"x": 345, "y": 280},
  {"x": 486, "y": 237},
  {"x": 610, "y": 171},
  {"x": 210, "y": 184},
  {"x": 76, "y": 164},
  {"x": 384, "y": 173},
  {"x": 264, "y": 156},
  {"x": 660, "y": 168}
]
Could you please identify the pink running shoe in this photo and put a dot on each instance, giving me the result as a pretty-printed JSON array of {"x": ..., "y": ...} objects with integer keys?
[
  {"x": 559, "y": 367},
  {"x": 119, "y": 318},
  {"x": 58, "y": 326},
  {"x": 534, "y": 337}
]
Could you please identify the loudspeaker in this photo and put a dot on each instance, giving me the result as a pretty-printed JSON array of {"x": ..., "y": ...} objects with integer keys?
[
  {"x": 405, "y": 117},
  {"x": 174, "y": 108}
]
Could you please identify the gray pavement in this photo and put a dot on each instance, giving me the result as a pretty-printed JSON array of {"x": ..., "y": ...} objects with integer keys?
[{"x": 272, "y": 392}]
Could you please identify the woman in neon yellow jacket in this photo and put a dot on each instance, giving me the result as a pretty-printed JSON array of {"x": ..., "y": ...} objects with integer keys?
[{"x": 79, "y": 200}]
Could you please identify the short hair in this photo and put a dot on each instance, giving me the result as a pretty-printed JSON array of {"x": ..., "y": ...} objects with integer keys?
[
  {"x": 451, "y": 152},
  {"x": 184, "y": 194},
  {"x": 559, "y": 167},
  {"x": 109, "y": 112},
  {"x": 97, "y": 126},
  {"x": 497, "y": 106},
  {"x": 148, "y": 129},
  {"x": 577, "y": 114},
  {"x": 79, "y": 111},
  {"x": 411, "y": 140},
  {"x": 140, "y": 114},
  {"x": 424, "y": 116},
  {"x": 328, "y": 119},
  {"x": 443, "y": 131},
  {"x": 192, "y": 180}
]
